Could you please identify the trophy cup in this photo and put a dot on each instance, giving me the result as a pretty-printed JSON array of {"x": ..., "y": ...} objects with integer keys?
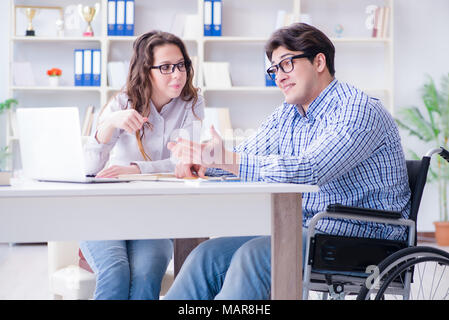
[
  {"x": 30, "y": 13},
  {"x": 88, "y": 14}
]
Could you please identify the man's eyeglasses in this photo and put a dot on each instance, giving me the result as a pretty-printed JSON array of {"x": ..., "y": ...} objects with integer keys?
[
  {"x": 286, "y": 65},
  {"x": 170, "y": 68}
]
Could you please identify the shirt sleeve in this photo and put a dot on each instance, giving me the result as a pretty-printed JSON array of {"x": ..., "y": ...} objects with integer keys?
[
  {"x": 345, "y": 142},
  {"x": 96, "y": 154},
  {"x": 157, "y": 166}
]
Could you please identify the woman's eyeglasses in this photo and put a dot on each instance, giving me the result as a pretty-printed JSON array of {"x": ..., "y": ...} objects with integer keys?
[
  {"x": 170, "y": 68},
  {"x": 286, "y": 65}
]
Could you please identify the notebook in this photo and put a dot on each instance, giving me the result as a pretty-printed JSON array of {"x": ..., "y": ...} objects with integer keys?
[
  {"x": 51, "y": 147},
  {"x": 171, "y": 177}
]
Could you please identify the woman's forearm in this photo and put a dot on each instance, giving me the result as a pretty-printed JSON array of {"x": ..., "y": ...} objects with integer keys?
[{"x": 104, "y": 132}]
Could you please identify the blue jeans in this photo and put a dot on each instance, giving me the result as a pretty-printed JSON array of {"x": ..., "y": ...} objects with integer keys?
[
  {"x": 226, "y": 269},
  {"x": 128, "y": 269}
]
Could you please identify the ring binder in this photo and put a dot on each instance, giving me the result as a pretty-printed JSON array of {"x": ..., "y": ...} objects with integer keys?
[
  {"x": 87, "y": 67},
  {"x": 120, "y": 18},
  {"x": 207, "y": 18},
  {"x": 96, "y": 67},
  {"x": 129, "y": 18},
  {"x": 112, "y": 16},
  {"x": 78, "y": 60},
  {"x": 216, "y": 18}
]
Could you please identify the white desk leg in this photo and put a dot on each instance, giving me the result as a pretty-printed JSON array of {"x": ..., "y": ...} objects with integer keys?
[{"x": 286, "y": 246}]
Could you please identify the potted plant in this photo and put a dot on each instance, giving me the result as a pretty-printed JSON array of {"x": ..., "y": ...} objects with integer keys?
[
  {"x": 53, "y": 76},
  {"x": 433, "y": 129},
  {"x": 4, "y": 152}
]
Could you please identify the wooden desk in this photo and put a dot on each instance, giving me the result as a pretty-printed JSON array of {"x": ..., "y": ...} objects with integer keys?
[{"x": 43, "y": 211}]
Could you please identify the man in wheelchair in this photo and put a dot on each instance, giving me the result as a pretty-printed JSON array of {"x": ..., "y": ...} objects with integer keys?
[{"x": 326, "y": 133}]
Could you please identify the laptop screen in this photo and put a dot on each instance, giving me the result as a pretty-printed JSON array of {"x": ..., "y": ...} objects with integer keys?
[{"x": 50, "y": 143}]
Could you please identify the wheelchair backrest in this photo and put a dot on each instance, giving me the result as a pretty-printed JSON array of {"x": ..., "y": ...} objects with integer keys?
[{"x": 417, "y": 176}]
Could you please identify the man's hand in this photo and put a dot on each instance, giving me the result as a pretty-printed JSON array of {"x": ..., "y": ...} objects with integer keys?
[
  {"x": 114, "y": 171},
  {"x": 210, "y": 154},
  {"x": 190, "y": 171}
]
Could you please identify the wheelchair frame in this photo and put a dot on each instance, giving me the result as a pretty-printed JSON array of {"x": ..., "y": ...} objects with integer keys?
[{"x": 339, "y": 285}]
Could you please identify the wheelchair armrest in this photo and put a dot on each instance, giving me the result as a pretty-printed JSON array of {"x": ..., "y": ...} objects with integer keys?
[{"x": 384, "y": 214}]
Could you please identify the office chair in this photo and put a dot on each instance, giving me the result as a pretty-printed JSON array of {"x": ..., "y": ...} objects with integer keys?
[{"x": 339, "y": 266}]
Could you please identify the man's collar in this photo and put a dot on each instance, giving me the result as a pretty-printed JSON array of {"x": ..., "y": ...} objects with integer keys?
[{"x": 315, "y": 107}]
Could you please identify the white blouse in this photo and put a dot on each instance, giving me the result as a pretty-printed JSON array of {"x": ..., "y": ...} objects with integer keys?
[{"x": 174, "y": 120}]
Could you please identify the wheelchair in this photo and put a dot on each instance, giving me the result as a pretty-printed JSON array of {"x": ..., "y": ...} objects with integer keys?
[{"x": 340, "y": 267}]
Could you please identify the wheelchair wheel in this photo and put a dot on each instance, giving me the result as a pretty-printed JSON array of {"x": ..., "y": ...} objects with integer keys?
[{"x": 416, "y": 273}]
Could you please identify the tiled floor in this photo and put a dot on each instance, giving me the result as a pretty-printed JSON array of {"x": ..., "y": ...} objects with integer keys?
[{"x": 23, "y": 271}]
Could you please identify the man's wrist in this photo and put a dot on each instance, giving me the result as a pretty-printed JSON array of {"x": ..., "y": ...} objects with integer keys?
[{"x": 231, "y": 162}]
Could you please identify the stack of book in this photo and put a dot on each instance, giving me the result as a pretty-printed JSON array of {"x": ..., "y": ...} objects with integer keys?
[
  {"x": 186, "y": 25},
  {"x": 217, "y": 74},
  {"x": 120, "y": 17},
  {"x": 220, "y": 118},
  {"x": 381, "y": 21},
  {"x": 87, "y": 67},
  {"x": 117, "y": 73}
]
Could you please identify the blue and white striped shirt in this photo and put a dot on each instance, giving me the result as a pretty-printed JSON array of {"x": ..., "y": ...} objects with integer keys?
[{"x": 347, "y": 144}]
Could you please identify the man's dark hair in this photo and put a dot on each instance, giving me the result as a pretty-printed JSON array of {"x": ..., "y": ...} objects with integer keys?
[{"x": 303, "y": 37}]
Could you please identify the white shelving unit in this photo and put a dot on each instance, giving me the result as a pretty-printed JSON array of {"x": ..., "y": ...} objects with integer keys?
[{"x": 247, "y": 25}]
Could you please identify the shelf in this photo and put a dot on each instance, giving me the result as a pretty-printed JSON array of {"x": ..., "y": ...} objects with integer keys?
[
  {"x": 59, "y": 88},
  {"x": 265, "y": 39},
  {"x": 55, "y": 39},
  {"x": 121, "y": 38},
  {"x": 133, "y": 38},
  {"x": 235, "y": 39},
  {"x": 361, "y": 40},
  {"x": 113, "y": 89},
  {"x": 244, "y": 89}
]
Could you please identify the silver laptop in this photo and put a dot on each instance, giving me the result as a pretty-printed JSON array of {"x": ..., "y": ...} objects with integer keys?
[{"x": 51, "y": 146}]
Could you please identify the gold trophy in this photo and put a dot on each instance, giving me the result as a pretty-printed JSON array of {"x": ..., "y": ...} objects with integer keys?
[
  {"x": 30, "y": 13},
  {"x": 88, "y": 14}
]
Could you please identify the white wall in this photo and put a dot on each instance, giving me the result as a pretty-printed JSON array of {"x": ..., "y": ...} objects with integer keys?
[
  {"x": 421, "y": 47},
  {"x": 4, "y": 58}
]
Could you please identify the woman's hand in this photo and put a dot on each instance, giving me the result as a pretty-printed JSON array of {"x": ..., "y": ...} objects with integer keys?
[
  {"x": 115, "y": 171},
  {"x": 128, "y": 120}
]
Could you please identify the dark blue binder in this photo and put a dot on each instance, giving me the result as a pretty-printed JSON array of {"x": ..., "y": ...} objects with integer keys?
[
  {"x": 207, "y": 18},
  {"x": 87, "y": 67},
  {"x": 216, "y": 17},
  {"x": 78, "y": 66},
  {"x": 120, "y": 18},
  {"x": 112, "y": 17},
  {"x": 96, "y": 67},
  {"x": 129, "y": 18}
]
